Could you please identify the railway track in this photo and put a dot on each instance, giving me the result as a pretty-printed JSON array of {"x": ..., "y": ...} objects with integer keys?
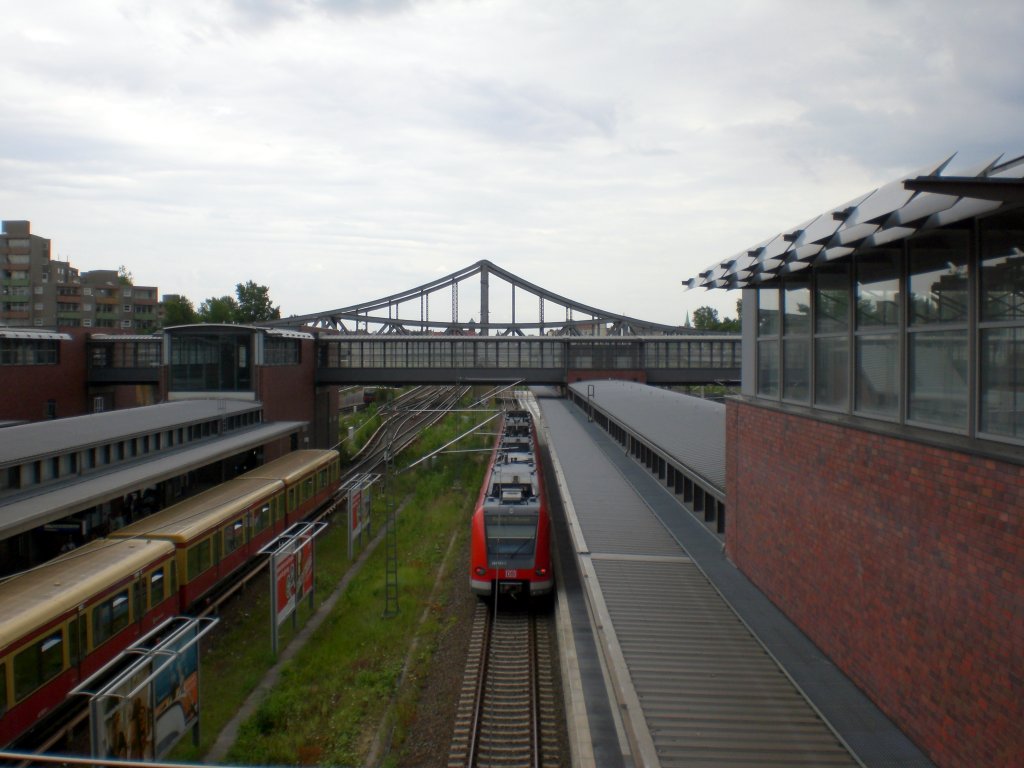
[{"x": 507, "y": 712}]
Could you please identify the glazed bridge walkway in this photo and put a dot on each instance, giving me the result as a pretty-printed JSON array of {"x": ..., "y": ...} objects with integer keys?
[{"x": 517, "y": 331}]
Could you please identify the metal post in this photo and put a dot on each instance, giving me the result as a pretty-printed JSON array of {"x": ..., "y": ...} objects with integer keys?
[{"x": 390, "y": 539}]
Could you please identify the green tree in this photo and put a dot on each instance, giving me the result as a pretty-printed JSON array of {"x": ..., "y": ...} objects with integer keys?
[
  {"x": 705, "y": 319},
  {"x": 124, "y": 276},
  {"x": 254, "y": 304},
  {"x": 178, "y": 310},
  {"x": 218, "y": 310}
]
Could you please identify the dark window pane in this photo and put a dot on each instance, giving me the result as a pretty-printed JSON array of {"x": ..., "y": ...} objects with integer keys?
[
  {"x": 938, "y": 378},
  {"x": 877, "y": 383},
  {"x": 767, "y": 311},
  {"x": 797, "y": 297},
  {"x": 832, "y": 372},
  {"x": 832, "y": 298},
  {"x": 1002, "y": 382},
  {"x": 938, "y": 278},
  {"x": 796, "y": 354},
  {"x": 768, "y": 368},
  {"x": 878, "y": 289},
  {"x": 1002, "y": 267}
]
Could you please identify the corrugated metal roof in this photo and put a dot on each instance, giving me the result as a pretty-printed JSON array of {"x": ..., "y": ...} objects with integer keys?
[
  {"x": 688, "y": 429},
  {"x": 59, "y": 436},
  {"x": 18, "y": 333}
]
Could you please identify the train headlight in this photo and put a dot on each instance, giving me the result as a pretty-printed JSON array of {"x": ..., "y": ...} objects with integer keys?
[
  {"x": 481, "y": 571},
  {"x": 542, "y": 571}
]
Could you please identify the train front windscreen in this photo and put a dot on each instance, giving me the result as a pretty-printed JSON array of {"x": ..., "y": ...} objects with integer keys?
[{"x": 511, "y": 538}]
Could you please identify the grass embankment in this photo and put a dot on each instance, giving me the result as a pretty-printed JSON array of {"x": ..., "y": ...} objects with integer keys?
[{"x": 333, "y": 695}]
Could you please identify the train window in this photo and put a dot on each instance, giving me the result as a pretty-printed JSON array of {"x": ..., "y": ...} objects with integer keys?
[
  {"x": 234, "y": 536},
  {"x": 322, "y": 478},
  {"x": 174, "y": 577},
  {"x": 40, "y": 662},
  {"x": 156, "y": 587},
  {"x": 199, "y": 558},
  {"x": 109, "y": 618},
  {"x": 307, "y": 488},
  {"x": 291, "y": 498},
  {"x": 262, "y": 517},
  {"x": 510, "y": 535},
  {"x": 139, "y": 599}
]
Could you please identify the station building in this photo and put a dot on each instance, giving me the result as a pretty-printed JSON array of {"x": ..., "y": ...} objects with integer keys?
[{"x": 875, "y": 458}]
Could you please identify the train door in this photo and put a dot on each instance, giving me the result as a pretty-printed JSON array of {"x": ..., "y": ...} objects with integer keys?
[{"x": 78, "y": 640}]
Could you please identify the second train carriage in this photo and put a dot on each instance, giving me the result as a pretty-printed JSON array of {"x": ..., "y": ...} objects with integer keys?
[
  {"x": 510, "y": 550},
  {"x": 65, "y": 619},
  {"x": 215, "y": 532}
]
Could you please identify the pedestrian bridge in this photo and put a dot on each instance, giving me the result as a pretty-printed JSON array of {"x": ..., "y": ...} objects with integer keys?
[
  {"x": 491, "y": 325},
  {"x": 659, "y": 360}
]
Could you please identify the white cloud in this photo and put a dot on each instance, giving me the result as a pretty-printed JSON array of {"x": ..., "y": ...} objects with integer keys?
[{"x": 339, "y": 151}]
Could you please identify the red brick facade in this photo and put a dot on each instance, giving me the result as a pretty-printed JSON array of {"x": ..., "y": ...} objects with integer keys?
[{"x": 903, "y": 562}]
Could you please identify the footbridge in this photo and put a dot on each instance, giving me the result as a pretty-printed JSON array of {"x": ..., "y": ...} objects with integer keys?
[{"x": 490, "y": 325}]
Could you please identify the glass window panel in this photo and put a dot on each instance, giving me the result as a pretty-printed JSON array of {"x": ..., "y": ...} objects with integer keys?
[
  {"x": 1002, "y": 267},
  {"x": 877, "y": 379},
  {"x": 767, "y": 311},
  {"x": 938, "y": 378},
  {"x": 878, "y": 289},
  {"x": 832, "y": 372},
  {"x": 796, "y": 354},
  {"x": 1002, "y": 382},
  {"x": 156, "y": 588},
  {"x": 768, "y": 368},
  {"x": 938, "y": 278},
  {"x": 832, "y": 298},
  {"x": 797, "y": 297}
]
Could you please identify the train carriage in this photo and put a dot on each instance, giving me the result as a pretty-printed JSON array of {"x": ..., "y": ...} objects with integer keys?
[
  {"x": 510, "y": 541},
  {"x": 309, "y": 477},
  {"x": 214, "y": 532},
  {"x": 64, "y": 620}
]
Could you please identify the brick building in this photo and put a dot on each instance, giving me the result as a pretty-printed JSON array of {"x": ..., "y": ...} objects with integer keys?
[
  {"x": 875, "y": 459},
  {"x": 38, "y": 292}
]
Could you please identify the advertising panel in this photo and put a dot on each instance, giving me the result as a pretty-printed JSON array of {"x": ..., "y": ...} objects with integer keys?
[
  {"x": 176, "y": 691},
  {"x": 123, "y": 719},
  {"x": 285, "y": 584}
]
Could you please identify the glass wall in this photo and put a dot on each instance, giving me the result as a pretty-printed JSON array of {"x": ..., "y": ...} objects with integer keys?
[
  {"x": 211, "y": 362},
  {"x": 927, "y": 332}
]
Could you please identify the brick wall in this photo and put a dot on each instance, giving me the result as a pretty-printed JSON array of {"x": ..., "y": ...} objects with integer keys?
[{"x": 903, "y": 562}]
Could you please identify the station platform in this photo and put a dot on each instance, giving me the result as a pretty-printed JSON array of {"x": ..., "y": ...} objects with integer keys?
[{"x": 670, "y": 656}]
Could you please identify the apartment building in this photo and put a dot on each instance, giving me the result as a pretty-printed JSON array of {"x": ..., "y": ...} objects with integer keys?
[{"x": 36, "y": 291}]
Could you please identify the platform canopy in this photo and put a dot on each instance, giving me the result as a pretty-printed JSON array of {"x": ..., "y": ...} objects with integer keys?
[{"x": 934, "y": 197}]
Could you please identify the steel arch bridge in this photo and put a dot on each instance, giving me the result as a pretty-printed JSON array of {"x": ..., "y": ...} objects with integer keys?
[{"x": 408, "y": 312}]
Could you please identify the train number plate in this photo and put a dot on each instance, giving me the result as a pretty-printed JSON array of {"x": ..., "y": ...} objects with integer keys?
[{"x": 510, "y": 574}]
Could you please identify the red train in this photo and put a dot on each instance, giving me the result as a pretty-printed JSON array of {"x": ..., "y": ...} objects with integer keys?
[
  {"x": 65, "y": 619},
  {"x": 510, "y": 551}
]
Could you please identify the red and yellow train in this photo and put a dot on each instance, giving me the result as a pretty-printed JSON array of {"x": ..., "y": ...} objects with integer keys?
[
  {"x": 64, "y": 620},
  {"x": 510, "y": 549}
]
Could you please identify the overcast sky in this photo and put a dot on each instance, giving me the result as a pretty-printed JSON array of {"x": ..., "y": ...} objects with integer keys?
[{"x": 342, "y": 150}]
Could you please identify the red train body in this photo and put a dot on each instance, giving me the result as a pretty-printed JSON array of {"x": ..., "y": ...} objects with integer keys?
[
  {"x": 510, "y": 549},
  {"x": 62, "y": 621}
]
